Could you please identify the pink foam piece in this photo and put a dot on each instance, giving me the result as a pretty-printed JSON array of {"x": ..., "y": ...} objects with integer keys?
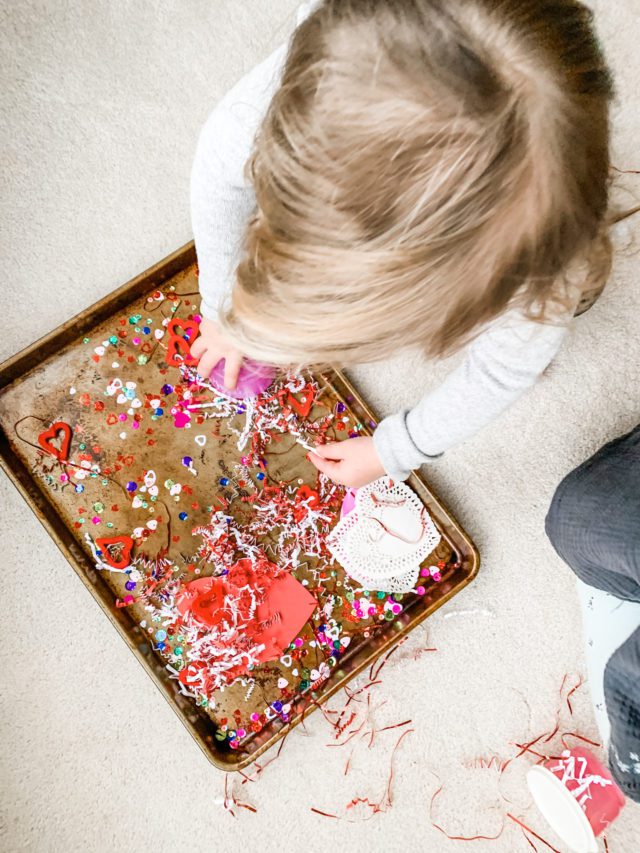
[
  {"x": 348, "y": 502},
  {"x": 255, "y": 377}
]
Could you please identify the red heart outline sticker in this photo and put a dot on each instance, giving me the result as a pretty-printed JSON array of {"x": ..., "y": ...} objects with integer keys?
[
  {"x": 178, "y": 345},
  {"x": 302, "y": 407},
  {"x": 127, "y": 547},
  {"x": 62, "y": 453},
  {"x": 305, "y": 492}
]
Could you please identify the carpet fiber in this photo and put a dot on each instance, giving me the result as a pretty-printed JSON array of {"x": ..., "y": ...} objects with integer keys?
[{"x": 102, "y": 103}]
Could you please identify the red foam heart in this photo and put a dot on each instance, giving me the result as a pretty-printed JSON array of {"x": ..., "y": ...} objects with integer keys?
[
  {"x": 302, "y": 407},
  {"x": 125, "y": 557},
  {"x": 61, "y": 453},
  {"x": 188, "y": 327},
  {"x": 178, "y": 344}
]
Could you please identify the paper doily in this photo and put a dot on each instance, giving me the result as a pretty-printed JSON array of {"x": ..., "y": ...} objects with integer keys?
[{"x": 384, "y": 539}]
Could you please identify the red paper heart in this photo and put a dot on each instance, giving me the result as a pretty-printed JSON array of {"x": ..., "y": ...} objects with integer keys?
[
  {"x": 302, "y": 407},
  {"x": 178, "y": 345},
  {"x": 204, "y": 598},
  {"x": 61, "y": 453},
  {"x": 285, "y": 610},
  {"x": 127, "y": 546}
]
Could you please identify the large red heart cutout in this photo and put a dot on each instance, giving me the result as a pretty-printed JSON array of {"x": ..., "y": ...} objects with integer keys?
[
  {"x": 285, "y": 608},
  {"x": 61, "y": 453},
  {"x": 179, "y": 346},
  {"x": 302, "y": 406},
  {"x": 284, "y": 612},
  {"x": 125, "y": 557}
]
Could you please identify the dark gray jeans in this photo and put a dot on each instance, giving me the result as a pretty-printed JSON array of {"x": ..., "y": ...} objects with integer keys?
[{"x": 594, "y": 525}]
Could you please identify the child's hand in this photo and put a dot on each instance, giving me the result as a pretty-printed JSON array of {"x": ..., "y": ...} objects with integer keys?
[
  {"x": 353, "y": 462},
  {"x": 210, "y": 347}
]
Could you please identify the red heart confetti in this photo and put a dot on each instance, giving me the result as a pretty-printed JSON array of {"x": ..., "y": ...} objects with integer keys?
[
  {"x": 179, "y": 344},
  {"x": 304, "y": 404},
  {"x": 125, "y": 556},
  {"x": 61, "y": 453},
  {"x": 305, "y": 492}
]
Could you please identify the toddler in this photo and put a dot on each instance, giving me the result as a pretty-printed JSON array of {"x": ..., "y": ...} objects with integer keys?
[{"x": 404, "y": 172}]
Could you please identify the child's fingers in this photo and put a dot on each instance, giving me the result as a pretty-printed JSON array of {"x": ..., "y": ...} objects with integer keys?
[
  {"x": 333, "y": 450},
  {"x": 198, "y": 347},
  {"x": 326, "y": 466},
  {"x": 207, "y": 362},
  {"x": 232, "y": 365}
]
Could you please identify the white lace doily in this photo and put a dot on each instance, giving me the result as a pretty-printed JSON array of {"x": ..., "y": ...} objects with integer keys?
[{"x": 384, "y": 539}]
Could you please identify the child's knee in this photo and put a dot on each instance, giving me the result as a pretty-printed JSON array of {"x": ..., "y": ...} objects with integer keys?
[{"x": 563, "y": 525}]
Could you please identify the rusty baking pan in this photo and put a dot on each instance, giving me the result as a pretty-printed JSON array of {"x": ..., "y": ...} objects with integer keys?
[{"x": 153, "y": 485}]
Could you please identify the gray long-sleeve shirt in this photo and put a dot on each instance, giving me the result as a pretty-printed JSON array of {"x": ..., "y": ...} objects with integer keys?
[{"x": 499, "y": 365}]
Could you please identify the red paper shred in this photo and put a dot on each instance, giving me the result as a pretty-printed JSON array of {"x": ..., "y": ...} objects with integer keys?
[
  {"x": 393, "y": 754},
  {"x": 578, "y": 737},
  {"x": 348, "y": 764},
  {"x": 386, "y": 800},
  {"x": 478, "y": 837},
  {"x": 325, "y": 814},
  {"x": 227, "y": 799},
  {"x": 535, "y": 834},
  {"x": 528, "y": 840},
  {"x": 571, "y": 692},
  {"x": 376, "y": 667},
  {"x": 230, "y": 799}
]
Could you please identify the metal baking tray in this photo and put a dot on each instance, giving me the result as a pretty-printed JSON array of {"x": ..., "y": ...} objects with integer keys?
[{"x": 61, "y": 378}]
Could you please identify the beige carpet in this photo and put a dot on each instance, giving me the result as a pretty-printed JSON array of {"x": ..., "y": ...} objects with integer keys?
[{"x": 102, "y": 103}]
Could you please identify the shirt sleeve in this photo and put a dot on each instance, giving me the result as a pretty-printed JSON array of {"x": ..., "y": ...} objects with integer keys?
[
  {"x": 222, "y": 200},
  {"x": 499, "y": 366}
]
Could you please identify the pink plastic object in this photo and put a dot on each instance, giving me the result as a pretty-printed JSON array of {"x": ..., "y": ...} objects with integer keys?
[
  {"x": 578, "y": 797},
  {"x": 348, "y": 502},
  {"x": 255, "y": 377}
]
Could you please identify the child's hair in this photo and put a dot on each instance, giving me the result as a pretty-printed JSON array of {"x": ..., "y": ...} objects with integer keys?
[{"x": 424, "y": 165}]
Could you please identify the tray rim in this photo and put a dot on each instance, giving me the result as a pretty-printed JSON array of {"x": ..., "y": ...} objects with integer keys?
[{"x": 13, "y": 369}]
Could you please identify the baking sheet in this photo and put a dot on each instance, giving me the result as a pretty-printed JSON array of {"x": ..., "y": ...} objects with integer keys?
[{"x": 129, "y": 412}]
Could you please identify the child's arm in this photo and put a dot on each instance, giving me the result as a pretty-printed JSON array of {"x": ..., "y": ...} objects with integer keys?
[
  {"x": 499, "y": 366},
  {"x": 222, "y": 200}
]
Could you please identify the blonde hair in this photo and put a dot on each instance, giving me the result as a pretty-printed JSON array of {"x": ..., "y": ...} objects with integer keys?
[{"x": 423, "y": 166}]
